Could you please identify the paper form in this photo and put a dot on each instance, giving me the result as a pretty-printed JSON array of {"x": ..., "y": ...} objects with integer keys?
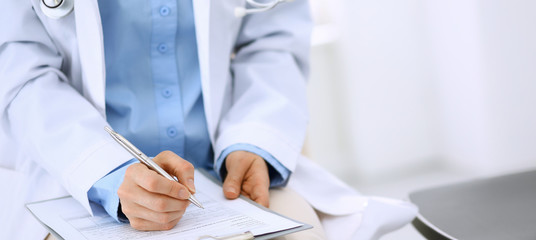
[{"x": 221, "y": 217}]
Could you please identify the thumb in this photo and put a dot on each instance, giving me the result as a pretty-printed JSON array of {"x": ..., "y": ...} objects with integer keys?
[
  {"x": 175, "y": 165},
  {"x": 235, "y": 175}
]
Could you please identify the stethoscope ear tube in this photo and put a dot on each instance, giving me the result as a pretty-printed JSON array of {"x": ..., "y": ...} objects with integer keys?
[{"x": 56, "y": 8}]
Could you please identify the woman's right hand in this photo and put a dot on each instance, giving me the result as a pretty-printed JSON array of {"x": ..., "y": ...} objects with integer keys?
[{"x": 151, "y": 201}]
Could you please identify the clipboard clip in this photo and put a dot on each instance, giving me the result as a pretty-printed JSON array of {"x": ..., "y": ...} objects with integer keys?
[{"x": 241, "y": 236}]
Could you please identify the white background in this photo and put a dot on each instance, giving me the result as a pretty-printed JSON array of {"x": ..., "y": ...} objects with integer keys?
[{"x": 408, "y": 94}]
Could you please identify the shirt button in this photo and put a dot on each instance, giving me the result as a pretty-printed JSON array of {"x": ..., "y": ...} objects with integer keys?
[
  {"x": 162, "y": 47},
  {"x": 172, "y": 132},
  {"x": 167, "y": 93},
  {"x": 164, "y": 11}
]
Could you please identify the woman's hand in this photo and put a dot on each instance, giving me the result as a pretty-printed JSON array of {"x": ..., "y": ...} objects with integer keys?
[
  {"x": 153, "y": 202},
  {"x": 247, "y": 174}
]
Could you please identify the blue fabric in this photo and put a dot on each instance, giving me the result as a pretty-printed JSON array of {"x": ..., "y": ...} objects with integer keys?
[
  {"x": 153, "y": 89},
  {"x": 104, "y": 191}
]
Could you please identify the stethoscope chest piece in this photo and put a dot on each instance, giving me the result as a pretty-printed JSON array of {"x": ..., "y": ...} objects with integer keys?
[{"x": 57, "y": 8}]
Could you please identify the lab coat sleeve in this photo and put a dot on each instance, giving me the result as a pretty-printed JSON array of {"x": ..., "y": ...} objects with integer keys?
[
  {"x": 50, "y": 121},
  {"x": 269, "y": 72}
]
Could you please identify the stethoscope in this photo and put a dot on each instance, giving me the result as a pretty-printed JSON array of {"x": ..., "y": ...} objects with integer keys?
[
  {"x": 61, "y": 8},
  {"x": 57, "y": 8}
]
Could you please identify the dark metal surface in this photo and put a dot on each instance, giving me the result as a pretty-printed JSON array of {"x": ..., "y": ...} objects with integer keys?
[
  {"x": 494, "y": 208},
  {"x": 427, "y": 231}
]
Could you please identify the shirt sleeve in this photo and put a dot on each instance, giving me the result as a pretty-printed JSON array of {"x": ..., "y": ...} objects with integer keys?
[
  {"x": 104, "y": 191},
  {"x": 278, "y": 173}
]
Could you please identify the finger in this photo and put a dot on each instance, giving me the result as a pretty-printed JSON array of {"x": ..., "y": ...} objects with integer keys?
[
  {"x": 177, "y": 166},
  {"x": 138, "y": 211},
  {"x": 257, "y": 190},
  {"x": 160, "y": 203},
  {"x": 145, "y": 225},
  {"x": 261, "y": 195},
  {"x": 245, "y": 194},
  {"x": 236, "y": 170},
  {"x": 260, "y": 192},
  {"x": 257, "y": 182},
  {"x": 155, "y": 183},
  {"x": 154, "y": 201}
]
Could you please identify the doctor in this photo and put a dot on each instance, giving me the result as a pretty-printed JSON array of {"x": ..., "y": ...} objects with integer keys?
[{"x": 223, "y": 93}]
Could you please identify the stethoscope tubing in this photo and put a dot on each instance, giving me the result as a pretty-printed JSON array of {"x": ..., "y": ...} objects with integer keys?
[
  {"x": 57, "y": 5},
  {"x": 257, "y": 7},
  {"x": 61, "y": 9}
]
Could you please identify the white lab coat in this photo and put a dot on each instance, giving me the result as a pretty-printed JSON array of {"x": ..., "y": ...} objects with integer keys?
[{"x": 52, "y": 141}]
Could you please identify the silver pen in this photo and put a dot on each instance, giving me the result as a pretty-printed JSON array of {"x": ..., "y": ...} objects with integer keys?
[{"x": 146, "y": 160}]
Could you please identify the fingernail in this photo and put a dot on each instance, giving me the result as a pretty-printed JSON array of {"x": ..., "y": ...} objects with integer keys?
[
  {"x": 231, "y": 190},
  {"x": 184, "y": 194},
  {"x": 191, "y": 184}
]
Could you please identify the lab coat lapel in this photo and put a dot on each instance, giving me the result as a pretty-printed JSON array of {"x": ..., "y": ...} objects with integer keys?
[
  {"x": 202, "y": 28},
  {"x": 91, "y": 48}
]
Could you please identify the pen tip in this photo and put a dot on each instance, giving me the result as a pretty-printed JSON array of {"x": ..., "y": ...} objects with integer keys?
[{"x": 196, "y": 202}]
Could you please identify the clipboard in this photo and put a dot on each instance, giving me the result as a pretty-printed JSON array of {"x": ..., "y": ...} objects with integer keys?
[
  {"x": 304, "y": 226},
  {"x": 240, "y": 236}
]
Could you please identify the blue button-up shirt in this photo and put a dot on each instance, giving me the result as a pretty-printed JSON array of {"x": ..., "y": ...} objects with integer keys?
[{"x": 153, "y": 89}]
